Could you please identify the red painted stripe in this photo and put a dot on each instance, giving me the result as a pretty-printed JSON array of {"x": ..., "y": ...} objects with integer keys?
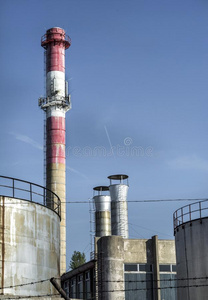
[
  {"x": 55, "y": 143},
  {"x": 55, "y": 136},
  {"x": 55, "y": 57},
  {"x": 55, "y": 123},
  {"x": 56, "y": 153},
  {"x": 55, "y": 42},
  {"x": 55, "y": 160}
]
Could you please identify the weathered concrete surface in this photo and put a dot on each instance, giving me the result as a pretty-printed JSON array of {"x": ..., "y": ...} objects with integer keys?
[
  {"x": 141, "y": 251},
  {"x": 110, "y": 268},
  {"x": 192, "y": 259},
  {"x": 166, "y": 251},
  {"x": 154, "y": 252},
  {"x": 136, "y": 251},
  {"x": 56, "y": 173},
  {"x": 29, "y": 247}
]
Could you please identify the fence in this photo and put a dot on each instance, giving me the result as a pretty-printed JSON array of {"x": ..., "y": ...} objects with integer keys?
[{"x": 25, "y": 190}]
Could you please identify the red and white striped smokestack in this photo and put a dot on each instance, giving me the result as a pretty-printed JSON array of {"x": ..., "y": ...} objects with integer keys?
[{"x": 56, "y": 104}]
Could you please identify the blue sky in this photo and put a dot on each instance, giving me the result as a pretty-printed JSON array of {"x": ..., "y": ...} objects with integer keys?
[{"x": 138, "y": 73}]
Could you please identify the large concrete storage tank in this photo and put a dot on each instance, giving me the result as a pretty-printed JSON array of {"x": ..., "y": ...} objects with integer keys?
[
  {"x": 119, "y": 208},
  {"x": 29, "y": 238},
  {"x": 191, "y": 238}
]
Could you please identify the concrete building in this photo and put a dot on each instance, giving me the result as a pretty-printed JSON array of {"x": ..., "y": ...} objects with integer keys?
[
  {"x": 122, "y": 268},
  {"x": 191, "y": 238},
  {"x": 131, "y": 269}
]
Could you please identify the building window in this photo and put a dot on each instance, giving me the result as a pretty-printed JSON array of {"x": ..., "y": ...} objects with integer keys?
[
  {"x": 138, "y": 281},
  {"x": 130, "y": 268},
  {"x": 167, "y": 268},
  {"x": 87, "y": 285},
  {"x": 80, "y": 287},
  {"x": 66, "y": 287},
  {"x": 138, "y": 268},
  {"x": 174, "y": 268},
  {"x": 73, "y": 288},
  {"x": 168, "y": 281},
  {"x": 87, "y": 275},
  {"x": 145, "y": 268}
]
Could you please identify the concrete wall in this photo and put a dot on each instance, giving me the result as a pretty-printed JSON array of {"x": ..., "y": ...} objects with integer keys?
[
  {"x": 192, "y": 259},
  {"x": 29, "y": 246},
  {"x": 140, "y": 251},
  {"x": 154, "y": 252},
  {"x": 166, "y": 251},
  {"x": 114, "y": 252}
]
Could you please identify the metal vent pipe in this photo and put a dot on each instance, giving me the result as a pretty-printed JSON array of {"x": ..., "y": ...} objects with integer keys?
[
  {"x": 102, "y": 211},
  {"x": 119, "y": 208}
]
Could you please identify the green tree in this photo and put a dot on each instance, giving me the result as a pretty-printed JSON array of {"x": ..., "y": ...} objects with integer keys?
[{"x": 77, "y": 260}]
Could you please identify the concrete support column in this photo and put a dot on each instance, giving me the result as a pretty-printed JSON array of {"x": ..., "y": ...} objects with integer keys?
[
  {"x": 156, "y": 269},
  {"x": 111, "y": 268}
]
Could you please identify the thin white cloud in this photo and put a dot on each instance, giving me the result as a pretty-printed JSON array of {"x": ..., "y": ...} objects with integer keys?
[
  {"x": 26, "y": 139},
  {"x": 77, "y": 172},
  {"x": 189, "y": 162}
]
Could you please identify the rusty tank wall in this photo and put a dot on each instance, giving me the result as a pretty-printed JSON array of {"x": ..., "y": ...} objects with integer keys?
[
  {"x": 29, "y": 247},
  {"x": 191, "y": 240}
]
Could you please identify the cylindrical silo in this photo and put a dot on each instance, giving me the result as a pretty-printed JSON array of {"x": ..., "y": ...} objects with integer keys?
[
  {"x": 102, "y": 211},
  {"x": 119, "y": 208},
  {"x": 191, "y": 238},
  {"x": 110, "y": 268}
]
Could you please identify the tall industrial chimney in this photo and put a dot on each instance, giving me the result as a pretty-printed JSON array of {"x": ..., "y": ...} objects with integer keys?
[
  {"x": 119, "y": 209},
  {"x": 56, "y": 104},
  {"x": 102, "y": 211}
]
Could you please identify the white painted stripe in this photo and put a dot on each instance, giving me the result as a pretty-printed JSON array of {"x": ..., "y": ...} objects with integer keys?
[
  {"x": 55, "y": 83},
  {"x": 55, "y": 112}
]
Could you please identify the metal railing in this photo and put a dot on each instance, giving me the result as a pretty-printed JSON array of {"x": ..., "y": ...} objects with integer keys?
[
  {"x": 25, "y": 190},
  {"x": 190, "y": 212},
  {"x": 64, "y": 37},
  {"x": 46, "y": 38},
  {"x": 45, "y": 102}
]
